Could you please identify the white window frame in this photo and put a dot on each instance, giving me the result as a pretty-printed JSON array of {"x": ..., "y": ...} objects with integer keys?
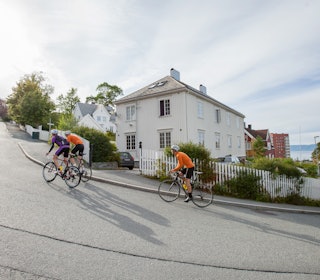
[
  {"x": 218, "y": 115},
  {"x": 201, "y": 136},
  {"x": 164, "y": 107},
  {"x": 229, "y": 141},
  {"x": 217, "y": 140},
  {"x": 164, "y": 138},
  {"x": 131, "y": 141},
  {"x": 228, "y": 119},
  {"x": 131, "y": 113},
  {"x": 239, "y": 142},
  {"x": 200, "y": 110}
]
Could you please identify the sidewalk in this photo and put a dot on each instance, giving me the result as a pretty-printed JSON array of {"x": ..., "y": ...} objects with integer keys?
[{"x": 36, "y": 150}]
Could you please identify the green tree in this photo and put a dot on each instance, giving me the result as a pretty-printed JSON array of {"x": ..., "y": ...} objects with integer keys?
[
  {"x": 67, "y": 122},
  {"x": 3, "y": 110},
  {"x": 258, "y": 147},
  {"x": 67, "y": 103},
  {"x": 316, "y": 152},
  {"x": 106, "y": 95},
  {"x": 29, "y": 102}
]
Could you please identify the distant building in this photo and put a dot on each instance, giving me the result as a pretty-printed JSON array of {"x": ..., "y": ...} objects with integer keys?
[
  {"x": 281, "y": 145},
  {"x": 250, "y": 135},
  {"x": 95, "y": 116}
]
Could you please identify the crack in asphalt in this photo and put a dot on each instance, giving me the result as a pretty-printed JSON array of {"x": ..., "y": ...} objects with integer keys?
[{"x": 154, "y": 258}]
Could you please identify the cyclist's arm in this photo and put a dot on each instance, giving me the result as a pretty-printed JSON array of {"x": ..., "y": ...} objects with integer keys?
[{"x": 52, "y": 146}]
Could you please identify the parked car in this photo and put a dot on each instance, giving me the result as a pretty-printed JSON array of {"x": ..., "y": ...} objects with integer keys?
[
  {"x": 126, "y": 160},
  {"x": 229, "y": 159}
]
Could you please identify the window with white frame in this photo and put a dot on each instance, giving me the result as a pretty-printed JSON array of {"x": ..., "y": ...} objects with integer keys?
[
  {"x": 239, "y": 141},
  {"x": 164, "y": 139},
  {"x": 229, "y": 141},
  {"x": 131, "y": 141},
  {"x": 217, "y": 139},
  {"x": 218, "y": 115},
  {"x": 238, "y": 122},
  {"x": 228, "y": 119},
  {"x": 165, "y": 107},
  {"x": 201, "y": 137},
  {"x": 200, "y": 110},
  {"x": 130, "y": 113}
]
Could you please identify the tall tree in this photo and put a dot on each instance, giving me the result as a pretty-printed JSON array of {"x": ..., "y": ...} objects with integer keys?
[
  {"x": 3, "y": 109},
  {"x": 68, "y": 103},
  {"x": 29, "y": 102},
  {"x": 258, "y": 147},
  {"x": 106, "y": 95}
]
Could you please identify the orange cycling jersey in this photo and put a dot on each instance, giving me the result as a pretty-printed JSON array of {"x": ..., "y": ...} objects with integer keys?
[
  {"x": 74, "y": 139},
  {"x": 183, "y": 161}
]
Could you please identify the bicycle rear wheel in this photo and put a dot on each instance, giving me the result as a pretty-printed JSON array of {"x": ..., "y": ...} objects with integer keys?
[
  {"x": 72, "y": 177},
  {"x": 202, "y": 195},
  {"x": 49, "y": 171},
  {"x": 169, "y": 190},
  {"x": 86, "y": 172}
]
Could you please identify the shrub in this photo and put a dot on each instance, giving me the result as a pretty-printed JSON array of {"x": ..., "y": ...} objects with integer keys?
[
  {"x": 201, "y": 157},
  {"x": 245, "y": 185},
  {"x": 103, "y": 149}
]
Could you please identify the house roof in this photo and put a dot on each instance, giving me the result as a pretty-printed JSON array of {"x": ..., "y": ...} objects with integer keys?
[
  {"x": 263, "y": 133},
  {"x": 86, "y": 108},
  {"x": 168, "y": 85}
]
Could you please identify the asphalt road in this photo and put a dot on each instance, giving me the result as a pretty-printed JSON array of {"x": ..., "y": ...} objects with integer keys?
[{"x": 103, "y": 231}]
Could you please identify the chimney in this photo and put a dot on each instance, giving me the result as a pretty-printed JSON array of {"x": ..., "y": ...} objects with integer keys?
[
  {"x": 175, "y": 74},
  {"x": 203, "y": 89},
  {"x": 249, "y": 126}
]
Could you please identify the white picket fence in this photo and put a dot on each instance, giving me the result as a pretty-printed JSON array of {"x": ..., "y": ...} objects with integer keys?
[{"x": 154, "y": 163}]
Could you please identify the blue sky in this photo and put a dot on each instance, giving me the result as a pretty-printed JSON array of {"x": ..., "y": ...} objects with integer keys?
[{"x": 259, "y": 57}]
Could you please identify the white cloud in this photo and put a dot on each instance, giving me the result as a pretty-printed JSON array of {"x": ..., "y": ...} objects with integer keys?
[{"x": 259, "y": 57}]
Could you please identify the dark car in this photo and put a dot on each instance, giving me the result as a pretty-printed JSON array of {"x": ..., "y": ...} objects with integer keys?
[{"x": 126, "y": 160}]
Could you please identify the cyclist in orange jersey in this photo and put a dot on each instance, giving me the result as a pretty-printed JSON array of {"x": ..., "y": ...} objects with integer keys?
[
  {"x": 78, "y": 145},
  {"x": 187, "y": 167}
]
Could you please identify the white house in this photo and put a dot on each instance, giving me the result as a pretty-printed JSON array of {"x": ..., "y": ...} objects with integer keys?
[
  {"x": 95, "y": 116},
  {"x": 169, "y": 111}
]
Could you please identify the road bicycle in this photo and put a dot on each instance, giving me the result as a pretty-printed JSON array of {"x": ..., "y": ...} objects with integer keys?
[
  {"x": 169, "y": 190},
  {"x": 70, "y": 174},
  {"x": 84, "y": 168}
]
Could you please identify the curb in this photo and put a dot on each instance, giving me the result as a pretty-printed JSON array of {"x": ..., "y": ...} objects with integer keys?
[{"x": 215, "y": 201}]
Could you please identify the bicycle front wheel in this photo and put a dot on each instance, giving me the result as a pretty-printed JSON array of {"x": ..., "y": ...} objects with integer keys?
[
  {"x": 72, "y": 177},
  {"x": 202, "y": 195},
  {"x": 49, "y": 171},
  {"x": 86, "y": 172},
  {"x": 169, "y": 190}
]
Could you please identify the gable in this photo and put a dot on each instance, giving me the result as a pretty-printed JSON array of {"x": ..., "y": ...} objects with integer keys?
[{"x": 169, "y": 85}]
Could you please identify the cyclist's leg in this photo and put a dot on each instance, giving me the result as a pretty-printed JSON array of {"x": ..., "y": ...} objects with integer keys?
[
  {"x": 189, "y": 173},
  {"x": 65, "y": 152}
]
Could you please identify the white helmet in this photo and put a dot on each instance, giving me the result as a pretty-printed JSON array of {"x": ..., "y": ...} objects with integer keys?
[
  {"x": 54, "y": 131},
  {"x": 175, "y": 147},
  {"x": 67, "y": 132}
]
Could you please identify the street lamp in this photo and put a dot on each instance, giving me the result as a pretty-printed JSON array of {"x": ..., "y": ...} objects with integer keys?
[{"x": 317, "y": 161}]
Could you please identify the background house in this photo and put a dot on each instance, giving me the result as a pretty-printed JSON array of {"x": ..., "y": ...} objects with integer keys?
[
  {"x": 95, "y": 116},
  {"x": 250, "y": 137},
  {"x": 281, "y": 145},
  {"x": 169, "y": 111}
]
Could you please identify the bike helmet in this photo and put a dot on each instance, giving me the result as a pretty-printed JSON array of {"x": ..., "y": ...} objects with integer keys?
[
  {"x": 54, "y": 131},
  {"x": 175, "y": 147},
  {"x": 67, "y": 132}
]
